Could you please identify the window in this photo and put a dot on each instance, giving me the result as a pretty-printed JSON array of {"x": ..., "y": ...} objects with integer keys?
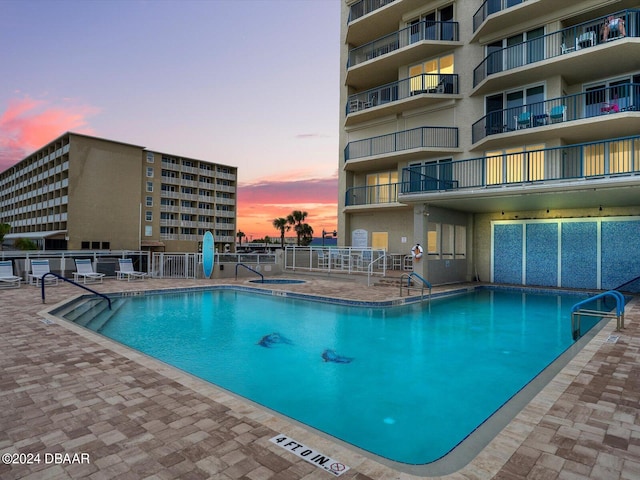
[
  {"x": 148, "y": 216},
  {"x": 461, "y": 241},
  {"x": 149, "y": 186},
  {"x": 514, "y": 165},
  {"x": 382, "y": 187},
  {"x": 428, "y": 76},
  {"x": 513, "y": 52},
  {"x": 150, "y": 157},
  {"x": 149, "y": 201},
  {"x": 433, "y": 240},
  {"x": 435, "y": 25},
  {"x": 432, "y": 175},
  {"x": 148, "y": 231},
  {"x": 149, "y": 172},
  {"x": 447, "y": 240},
  {"x": 608, "y": 97},
  {"x": 530, "y": 100}
]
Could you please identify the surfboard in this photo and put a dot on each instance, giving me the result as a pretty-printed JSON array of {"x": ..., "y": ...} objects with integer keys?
[{"x": 208, "y": 255}]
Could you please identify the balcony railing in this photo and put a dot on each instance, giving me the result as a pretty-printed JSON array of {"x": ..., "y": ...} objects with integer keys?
[
  {"x": 577, "y": 37},
  {"x": 372, "y": 195},
  {"x": 620, "y": 156},
  {"x": 492, "y": 6},
  {"x": 392, "y": 92},
  {"x": 603, "y": 101},
  {"x": 364, "y": 7},
  {"x": 421, "y": 137},
  {"x": 424, "y": 30}
]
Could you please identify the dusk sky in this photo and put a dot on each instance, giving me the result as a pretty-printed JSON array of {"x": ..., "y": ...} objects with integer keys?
[{"x": 248, "y": 83}]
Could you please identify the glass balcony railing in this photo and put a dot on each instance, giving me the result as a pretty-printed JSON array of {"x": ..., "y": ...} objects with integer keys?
[
  {"x": 422, "y": 137},
  {"x": 619, "y": 156},
  {"x": 424, "y": 30},
  {"x": 392, "y": 92},
  {"x": 568, "y": 40},
  {"x": 364, "y": 7},
  {"x": 372, "y": 195},
  {"x": 621, "y": 97},
  {"x": 492, "y": 6}
]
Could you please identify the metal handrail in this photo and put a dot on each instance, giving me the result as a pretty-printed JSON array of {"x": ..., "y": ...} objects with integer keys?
[
  {"x": 42, "y": 282},
  {"x": 370, "y": 267},
  {"x": 250, "y": 269},
  {"x": 424, "y": 282},
  {"x": 577, "y": 312}
]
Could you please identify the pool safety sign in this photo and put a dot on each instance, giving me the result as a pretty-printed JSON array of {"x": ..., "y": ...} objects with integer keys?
[{"x": 310, "y": 455}]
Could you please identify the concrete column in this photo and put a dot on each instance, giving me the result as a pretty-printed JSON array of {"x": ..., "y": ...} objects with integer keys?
[{"x": 420, "y": 221}]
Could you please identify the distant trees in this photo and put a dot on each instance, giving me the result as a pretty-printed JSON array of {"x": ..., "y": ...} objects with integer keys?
[
  {"x": 282, "y": 225},
  {"x": 240, "y": 236},
  {"x": 4, "y": 229},
  {"x": 295, "y": 220}
]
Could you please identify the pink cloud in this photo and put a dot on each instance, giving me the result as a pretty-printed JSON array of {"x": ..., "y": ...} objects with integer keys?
[
  {"x": 28, "y": 124},
  {"x": 261, "y": 202}
]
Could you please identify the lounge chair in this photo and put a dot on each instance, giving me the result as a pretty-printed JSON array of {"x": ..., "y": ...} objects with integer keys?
[
  {"x": 127, "y": 272},
  {"x": 7, "y": 278},
  {"x": 39, "y": 268},
  {"x": 84, "y": 271}
]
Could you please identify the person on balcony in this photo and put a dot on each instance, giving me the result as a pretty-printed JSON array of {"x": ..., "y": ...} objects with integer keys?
[{"x": 613, "y": 26}]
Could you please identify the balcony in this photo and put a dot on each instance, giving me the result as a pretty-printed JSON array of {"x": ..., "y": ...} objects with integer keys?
[
  {"x": 571, "y": 176},
  {"x": 534, "y": 120},
  {"x": 497, "y": 15},
  {"x": 407, "y": 144},
  {"x": 370, "y": 17},
  {"x": 372, "y": 195},
  {"x": 399, "y": 96},
  {"x": 578, "y": 53},
  {"x": 388, "y": 53},
  {"x": 364, "y": 7}
]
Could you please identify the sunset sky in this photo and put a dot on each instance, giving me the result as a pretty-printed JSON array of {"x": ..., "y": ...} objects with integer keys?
[{"x": 248, "y": 83}]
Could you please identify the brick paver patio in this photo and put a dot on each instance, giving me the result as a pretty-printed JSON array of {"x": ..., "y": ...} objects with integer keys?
[{"x": 93, "y": 409}]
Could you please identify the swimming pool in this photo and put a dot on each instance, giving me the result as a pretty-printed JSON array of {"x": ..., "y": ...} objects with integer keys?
[{"x": 417, "y": 378}]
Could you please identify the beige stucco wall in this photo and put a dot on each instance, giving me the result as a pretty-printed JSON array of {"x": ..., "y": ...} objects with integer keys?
[{"x": 104, "y": 193}]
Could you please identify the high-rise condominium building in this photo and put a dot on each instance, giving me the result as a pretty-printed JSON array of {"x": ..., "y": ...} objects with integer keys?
[
  {"x": 82, "y": 192},
  {"x": 502, "y": 136}
]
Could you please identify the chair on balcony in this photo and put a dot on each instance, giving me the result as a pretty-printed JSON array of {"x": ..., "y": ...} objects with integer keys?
[
  {"x": 523, "y": 120},
  {"x": 557, "y": 114},
  {"x": 609, "y": 108}
]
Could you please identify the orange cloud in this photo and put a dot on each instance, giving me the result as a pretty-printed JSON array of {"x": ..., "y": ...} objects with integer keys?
[
  {"x": 28, "y": 124},
  {"x": 260, "y": 203}
]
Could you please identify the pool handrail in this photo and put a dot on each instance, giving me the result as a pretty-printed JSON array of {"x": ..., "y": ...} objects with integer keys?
[
  {"x": 73, "y": 283},
  {"x": 577, "y": 311},
  {"x": 411, "y": 275},
  {"x": 250, "y": 269}
]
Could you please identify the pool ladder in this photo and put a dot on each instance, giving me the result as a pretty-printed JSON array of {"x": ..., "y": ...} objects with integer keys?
[
  {"x": 250, "y": 269},
  {"x": 423, "y": 283},
  {"x": 577, "y": 312}
]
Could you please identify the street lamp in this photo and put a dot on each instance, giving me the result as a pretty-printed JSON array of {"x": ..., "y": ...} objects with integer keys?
[{"x": 328, "y": 235}]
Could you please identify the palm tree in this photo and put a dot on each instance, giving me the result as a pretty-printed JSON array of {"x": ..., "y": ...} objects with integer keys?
[
  {"x": 4, "y": 229},
  {"x": 240, "y": 236},
  {"x": 296, "y": 218},
  {"x": 307, "y": 234},
  {"x": 282, "y": 225}
]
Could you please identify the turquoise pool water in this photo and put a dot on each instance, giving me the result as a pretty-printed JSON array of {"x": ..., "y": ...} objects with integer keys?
[{"x": 420, "y": 380}]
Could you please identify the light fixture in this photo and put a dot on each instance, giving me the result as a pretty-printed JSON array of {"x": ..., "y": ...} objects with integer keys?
[{"x": 600, "y": 208}]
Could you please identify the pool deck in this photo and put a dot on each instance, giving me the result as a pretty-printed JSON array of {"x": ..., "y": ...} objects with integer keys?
[{"x": 64, "y": 390}]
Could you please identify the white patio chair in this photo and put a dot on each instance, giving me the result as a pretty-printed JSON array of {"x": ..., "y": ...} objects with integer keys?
[
  {"x": 39, "y": 268},
  {"x": 7, "y": 278},
  {"x": 84, "y": 271},
  {"x": 127, "y": 272}
]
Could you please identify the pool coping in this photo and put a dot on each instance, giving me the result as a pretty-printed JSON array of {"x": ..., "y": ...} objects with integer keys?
[{"x": 498, "y": 430}]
